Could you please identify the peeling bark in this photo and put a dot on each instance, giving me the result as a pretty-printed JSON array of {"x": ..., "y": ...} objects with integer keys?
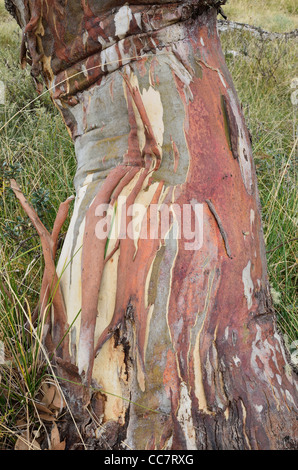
[{"x": 175, "y": 348}]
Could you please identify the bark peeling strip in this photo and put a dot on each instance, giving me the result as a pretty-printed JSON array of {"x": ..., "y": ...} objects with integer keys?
[
  {"x": 220, "y": 226},
  {"x": 244, "y": 150},
  {"x": 231, "y": 128}
]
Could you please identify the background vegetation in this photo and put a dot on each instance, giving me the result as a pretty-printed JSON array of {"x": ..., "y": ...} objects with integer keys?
[
  {"x": 272, "y": 15},
  {"x": 36, "y": 150}
]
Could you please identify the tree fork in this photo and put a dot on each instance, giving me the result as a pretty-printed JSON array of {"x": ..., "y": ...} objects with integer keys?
[{"x": 180, "y": 347}]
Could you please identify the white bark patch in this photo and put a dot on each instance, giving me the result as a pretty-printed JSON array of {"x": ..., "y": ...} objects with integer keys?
[
  {"x": 222, "y": 79},
  {"x": 110, "y": 57},
  {"x": 185, "y": 419},
  {"x": 252, "y": 221},
  {"x": 264, "y": 353},
  {"x": 154, "y": 108},
  {"x": 122, "y": 21},
  {"x": 85, "y": 37},
  {"x": 102, "y": 41},
  {"x": 259, "y": 408},
  {"x": 168, "y": 445},
  {"x": 84, "y": 70},
  {"x": 290, "y": 398},
  {"x": 237, "y": 361},
  {"x": 248, "y": 284},
  {"x": 208, "y": 369},
  {"x": 138, "y": 18}
]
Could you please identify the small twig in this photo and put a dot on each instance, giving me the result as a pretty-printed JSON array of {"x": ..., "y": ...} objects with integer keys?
[
  {"x": 116, "y": 247},
  {"x": 6, "y": 291},
  {"x": 220, "y": 226},
  {"x": 232, "y": 25},
  {"x": 59, "y": 221},
  {"x": 40, "y": 228},
  {"x": 282, "y": 244},
  {"x": 222, "y": 13},
  {"x": 21, "y": 244}
]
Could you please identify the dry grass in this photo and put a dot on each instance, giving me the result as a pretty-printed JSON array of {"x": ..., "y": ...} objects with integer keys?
[{"x": 272, "y": 15}]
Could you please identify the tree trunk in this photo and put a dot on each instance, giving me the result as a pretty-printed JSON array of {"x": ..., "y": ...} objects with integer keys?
[{"x": 172, "y": 341}]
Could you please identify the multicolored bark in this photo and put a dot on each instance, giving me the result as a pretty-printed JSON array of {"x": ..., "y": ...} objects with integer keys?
[{"x": 179, "y": 338}]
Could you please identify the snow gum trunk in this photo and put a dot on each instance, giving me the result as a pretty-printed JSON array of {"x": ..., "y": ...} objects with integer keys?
[{"x": 172, "y": 337}]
